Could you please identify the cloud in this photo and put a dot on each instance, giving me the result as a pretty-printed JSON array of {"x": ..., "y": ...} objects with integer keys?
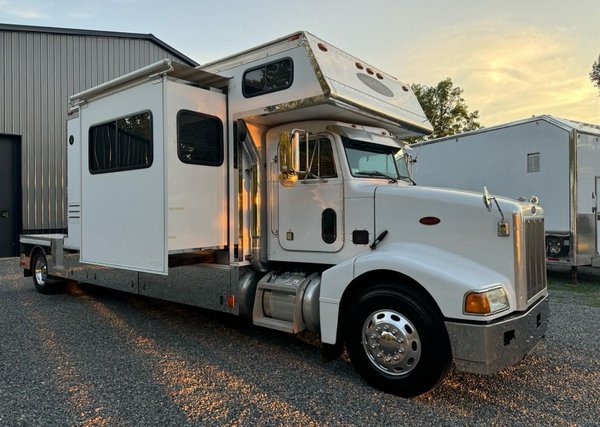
[
  {"x": 21, "y": 10},
  {"x": 510, "y": 72}
]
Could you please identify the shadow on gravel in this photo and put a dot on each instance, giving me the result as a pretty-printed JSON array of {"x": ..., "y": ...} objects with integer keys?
[{"x": 191, "y": 316}]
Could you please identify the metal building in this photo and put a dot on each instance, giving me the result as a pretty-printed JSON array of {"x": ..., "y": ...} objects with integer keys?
[{"x": 39, "y": 68}]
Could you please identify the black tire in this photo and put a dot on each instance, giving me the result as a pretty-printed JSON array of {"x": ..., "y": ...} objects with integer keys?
[
  {"x": 406, "y": 350},
  {"x": 39, "y": 272}
]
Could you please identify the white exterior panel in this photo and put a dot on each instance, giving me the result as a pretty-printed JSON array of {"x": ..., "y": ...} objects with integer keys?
[
  {"x": 124, "y": 212},
  {"x": 73, "y": 239},
  {"x": 197, "y": 202},
  {"x": 327, "y": 83}
]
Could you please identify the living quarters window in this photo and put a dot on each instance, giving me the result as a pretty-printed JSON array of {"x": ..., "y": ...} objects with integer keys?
[
  {"x": 199, "y": 138},
  {"x": 121, "y": 144},
  {"x": 266, "y": 78}
]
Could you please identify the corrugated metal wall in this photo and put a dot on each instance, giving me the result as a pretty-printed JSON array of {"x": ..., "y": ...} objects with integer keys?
[{"x": 38, "y": 72}]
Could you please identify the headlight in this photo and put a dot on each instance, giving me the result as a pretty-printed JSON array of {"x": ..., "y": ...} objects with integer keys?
[{"x": 486, "y": 302}]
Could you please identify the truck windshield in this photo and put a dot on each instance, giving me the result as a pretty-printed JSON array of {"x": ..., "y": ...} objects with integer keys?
[{"x": 372, "y": 160}]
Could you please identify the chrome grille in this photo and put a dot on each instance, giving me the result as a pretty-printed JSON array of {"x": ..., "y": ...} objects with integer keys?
[{"x": 535, "y": 256}]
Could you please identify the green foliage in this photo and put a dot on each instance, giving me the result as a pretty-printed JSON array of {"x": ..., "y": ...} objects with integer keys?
[
  {"x": 446, "y": 109},
  {"x": 595, "y": 73}
]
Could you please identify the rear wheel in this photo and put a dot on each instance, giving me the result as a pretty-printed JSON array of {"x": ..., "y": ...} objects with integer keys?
[
  {"x": 39, "y": 269},
  {"x": 397, "y": 341}
]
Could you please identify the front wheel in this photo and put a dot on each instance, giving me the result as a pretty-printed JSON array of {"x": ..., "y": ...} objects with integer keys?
[
  {"x": 39, "y": 269},
  {"x": 397, "y": 341}
]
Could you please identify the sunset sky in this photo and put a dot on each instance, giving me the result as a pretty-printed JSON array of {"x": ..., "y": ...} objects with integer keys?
[{"x": 513, "y": 58}]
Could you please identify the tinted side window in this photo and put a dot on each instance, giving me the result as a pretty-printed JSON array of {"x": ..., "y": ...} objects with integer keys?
[
  {"x": 122, "y": 144},
  {"x": 199, "y": 138},
  {"x": 268, "y": 78}
]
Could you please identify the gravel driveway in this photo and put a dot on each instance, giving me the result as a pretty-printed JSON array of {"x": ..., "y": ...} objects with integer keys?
[{"x": 93, "y": 356}]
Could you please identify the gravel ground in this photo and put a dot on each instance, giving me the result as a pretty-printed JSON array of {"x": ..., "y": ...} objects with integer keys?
[{"x": 98, "y": 357}]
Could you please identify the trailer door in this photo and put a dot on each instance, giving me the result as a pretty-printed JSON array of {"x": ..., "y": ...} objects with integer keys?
[{"x": 123, "y": 192}]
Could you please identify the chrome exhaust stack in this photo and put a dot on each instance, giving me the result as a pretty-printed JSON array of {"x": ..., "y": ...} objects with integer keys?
[{"x": 258, "y": 249}]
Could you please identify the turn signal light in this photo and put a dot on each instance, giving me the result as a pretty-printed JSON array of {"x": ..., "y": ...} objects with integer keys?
[
  {"x": 491, "y": 301},
  {"x": 477, "y": 304}
]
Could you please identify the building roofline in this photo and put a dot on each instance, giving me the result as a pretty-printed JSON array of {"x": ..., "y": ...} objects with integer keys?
[
  {"x": 98, "y": 33},
  {"x": 564, "y": 124}
]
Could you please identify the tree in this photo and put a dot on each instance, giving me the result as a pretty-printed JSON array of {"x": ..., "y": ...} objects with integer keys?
[
  {"x": 595, "y": 73},
  {"x": 446, "y": 109}
]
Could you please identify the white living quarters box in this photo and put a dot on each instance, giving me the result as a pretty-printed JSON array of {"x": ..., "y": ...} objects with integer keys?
[
  {"x": 555, "y": 159},
  {"x": 129, "y": 180}
]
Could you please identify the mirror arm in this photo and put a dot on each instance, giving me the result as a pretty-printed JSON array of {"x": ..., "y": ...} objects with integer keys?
[{"x": 499, "y": 210}]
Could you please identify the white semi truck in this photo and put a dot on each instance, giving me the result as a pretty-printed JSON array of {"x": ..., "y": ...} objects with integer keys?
[{"x": 265, "y": 185}]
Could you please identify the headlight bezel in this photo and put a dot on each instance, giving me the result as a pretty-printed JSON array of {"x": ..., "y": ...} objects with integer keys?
[{"x": 495, "y": 298}]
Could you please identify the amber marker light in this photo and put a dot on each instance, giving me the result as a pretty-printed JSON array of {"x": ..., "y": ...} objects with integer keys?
[
  {"x": 477, "y": 304},
  {"x": 487, "y": 302}
]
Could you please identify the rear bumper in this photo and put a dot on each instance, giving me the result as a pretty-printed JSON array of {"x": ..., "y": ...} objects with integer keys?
[{"x": 488, "y": 348}]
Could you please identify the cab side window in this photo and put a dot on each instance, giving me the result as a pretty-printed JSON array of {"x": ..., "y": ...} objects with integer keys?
[{"x": 320, "y": 159}]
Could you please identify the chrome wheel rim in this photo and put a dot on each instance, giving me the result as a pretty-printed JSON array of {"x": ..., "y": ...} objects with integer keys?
[
  {"x": 391, "y": 342},
  {"x": 40, "y": 270}
]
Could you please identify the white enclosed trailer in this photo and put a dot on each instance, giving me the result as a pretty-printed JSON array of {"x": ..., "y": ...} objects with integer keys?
[
  {"x": 556, "y": 160},
  {"x": 265, "y": 185}
]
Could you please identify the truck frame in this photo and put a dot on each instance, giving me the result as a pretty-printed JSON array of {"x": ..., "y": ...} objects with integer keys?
[{"x": 265, "y": 185}]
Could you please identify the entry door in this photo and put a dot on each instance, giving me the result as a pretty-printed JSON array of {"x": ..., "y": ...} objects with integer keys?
[
  {"x": 10, "y": 203},
  {"x": 311, "y": 212},
  {"x": 597, "y": 213}
]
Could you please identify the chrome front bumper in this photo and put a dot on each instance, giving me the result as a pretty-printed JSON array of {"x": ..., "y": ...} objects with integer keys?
[{"x": 488, "y": 348}]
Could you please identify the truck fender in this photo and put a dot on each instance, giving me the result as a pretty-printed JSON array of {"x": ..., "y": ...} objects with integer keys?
[{"x": 446, "y": 276}]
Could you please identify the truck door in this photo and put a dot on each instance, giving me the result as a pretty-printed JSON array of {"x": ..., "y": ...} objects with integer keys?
[{"x": 311, "y": 212}]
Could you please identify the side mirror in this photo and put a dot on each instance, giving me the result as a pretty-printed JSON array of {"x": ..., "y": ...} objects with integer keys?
[
  {"x": 487, "y": 199},
  {"x": 289, "y": 157}
]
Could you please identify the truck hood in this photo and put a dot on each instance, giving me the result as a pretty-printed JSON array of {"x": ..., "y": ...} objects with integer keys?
[{"x": 451, "y": 220}]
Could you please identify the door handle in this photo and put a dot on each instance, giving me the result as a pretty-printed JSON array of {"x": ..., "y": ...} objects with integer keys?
[{"x": 4, "y": 214}]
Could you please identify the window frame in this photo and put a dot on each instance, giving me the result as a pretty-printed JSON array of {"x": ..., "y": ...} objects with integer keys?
[
  {"x": 221, "y": 140},
  {"x": 264, "y": 65},
  {"x": 303, "y": 175},
  {"x": 126, "y": 168}
]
